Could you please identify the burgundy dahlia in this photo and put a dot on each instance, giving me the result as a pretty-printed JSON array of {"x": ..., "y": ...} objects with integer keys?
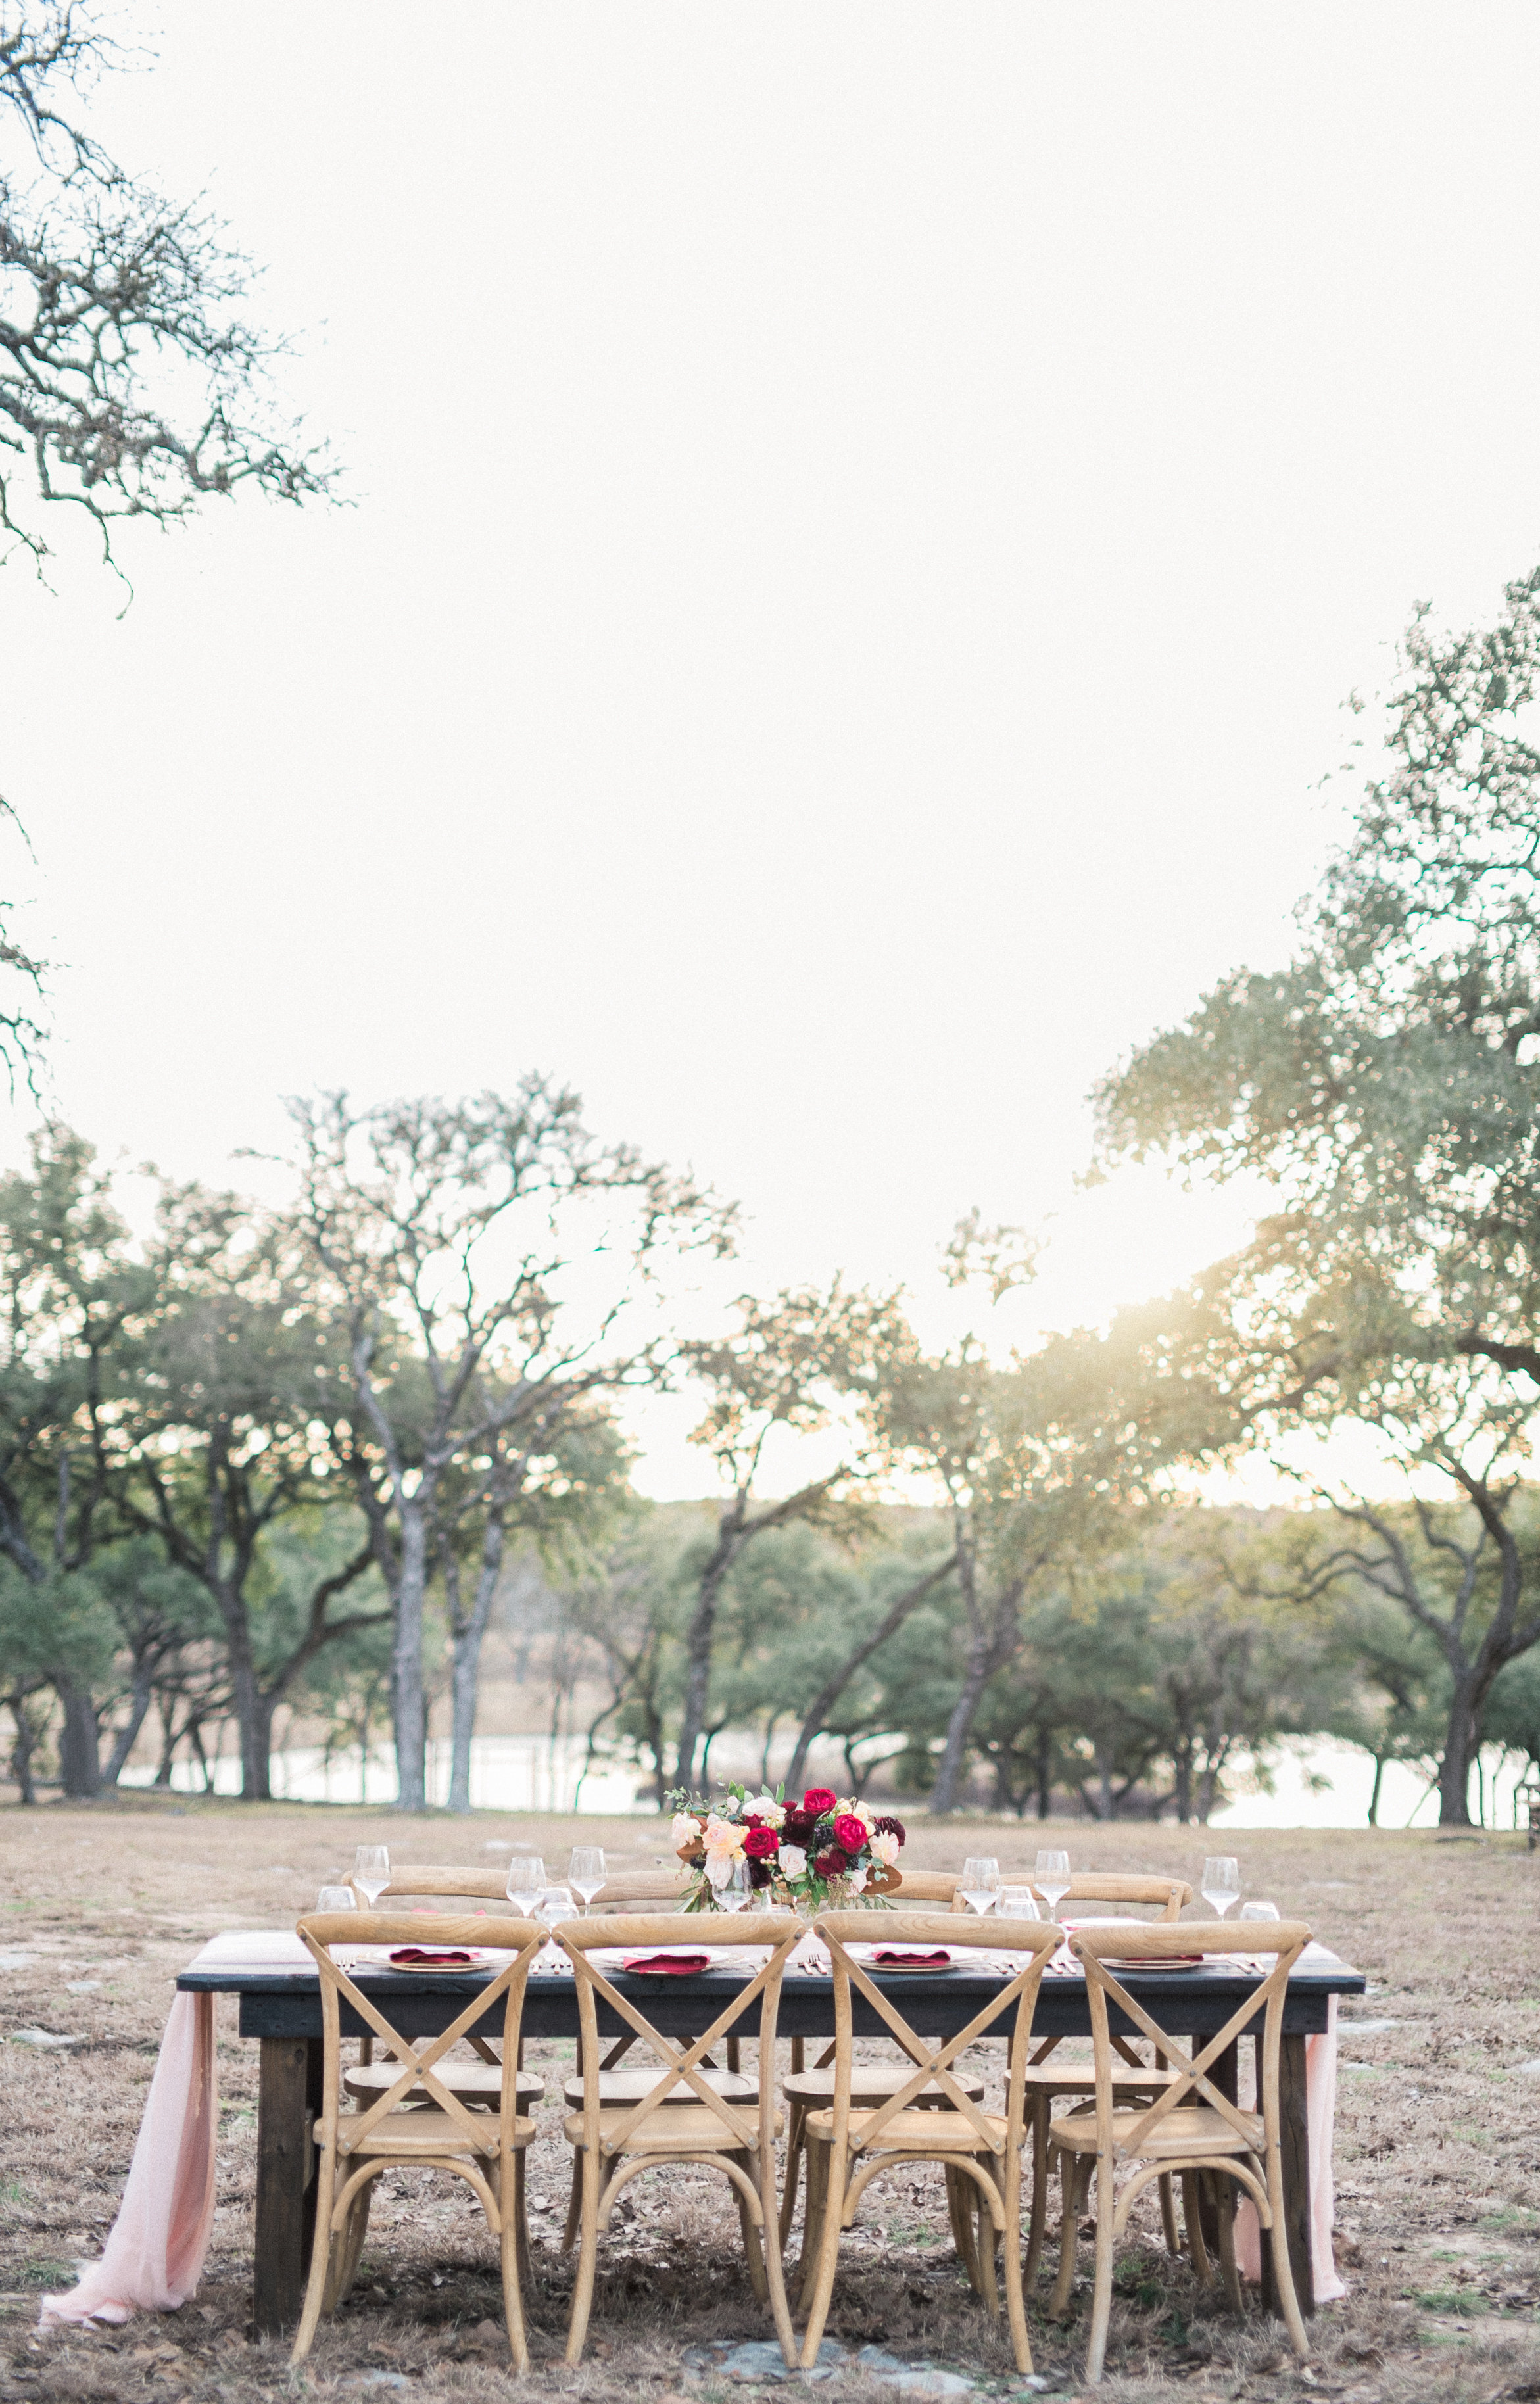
[
  {"x": 888, "y": 1826},
  {"x": 759, "y": 1873},
  {"x": 832, "y": 1862}
]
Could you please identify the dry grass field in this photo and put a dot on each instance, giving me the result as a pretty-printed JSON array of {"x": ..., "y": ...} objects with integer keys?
[{"x": 1438, "y": 2145}]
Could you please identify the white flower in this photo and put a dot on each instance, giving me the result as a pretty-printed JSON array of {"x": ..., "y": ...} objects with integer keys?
[
  {"x": 687, "y": 1829},
  {"x": 793, "y": 1861},
  {"x": 765, "y": 1807},
  {"x": 724, "y": 1847},
  {"x": 886, "y": 1848}
]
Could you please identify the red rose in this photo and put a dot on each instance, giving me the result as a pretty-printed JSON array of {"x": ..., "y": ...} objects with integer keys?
[
  {"x": 850, "y": 1833},
  {"x": 818, "y": 1801},
  {"x": 760, "y": 1841},
  {"x": 831, "y": 1863}
]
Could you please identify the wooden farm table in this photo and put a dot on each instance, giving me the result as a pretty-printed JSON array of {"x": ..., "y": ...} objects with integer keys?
[{"x": 280, "y": 2007}]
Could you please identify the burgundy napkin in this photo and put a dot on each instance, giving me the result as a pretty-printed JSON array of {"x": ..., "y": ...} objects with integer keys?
[
  {"x": 426, "y": 1957},
  {"x": 680, "y": 1965},
  {"x": 890, "y": 1956}
]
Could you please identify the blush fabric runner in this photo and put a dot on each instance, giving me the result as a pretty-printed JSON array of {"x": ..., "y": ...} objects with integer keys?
[{"x": 1320, "y": 2114}]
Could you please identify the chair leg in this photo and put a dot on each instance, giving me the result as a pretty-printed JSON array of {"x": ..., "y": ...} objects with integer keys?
[
  {"x": 960, "y": 2211},
  {"x": 764, "y": 2179},
  {"x": 753, "y": 2251},
  {"x": 1192, "y": 2212},
  {"x": 1168, "y": 2215},
  {"x": 520, "y": 2222},
  {"x": 1011, "y": 2265},
  {"x": 1283, "y": 2286},
  {"x": 818, "y": 2153},
  {"x": 582, "y": 2286},
  {"x": 1101, "y": 2300},
  {"x": 981, "y": 2229},
  {"x": 320, "y": 2255},
  {"x": 1038, "y": 2224},
  {"x": 795, "y": 2147},
  {"x": 1223, "y": 2195},
  {"x": 574, "y": 2202},
  {"x": 1069, "y": 2183},
  {"x": 835, "y": 2177},
  {"x": 510, "y": 2242}
]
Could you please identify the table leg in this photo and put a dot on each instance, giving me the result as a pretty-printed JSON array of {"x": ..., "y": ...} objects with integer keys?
[
  {"x": 288, "y": 2092},
  {"x": 1225, "y": 2074},
  {"x": 1294, "y": 2131}
]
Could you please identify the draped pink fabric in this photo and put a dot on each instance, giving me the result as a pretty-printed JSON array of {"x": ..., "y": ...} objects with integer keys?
[
  {"x": 154, "y": 2256},
  {"x": 1320, "y": 2113}
]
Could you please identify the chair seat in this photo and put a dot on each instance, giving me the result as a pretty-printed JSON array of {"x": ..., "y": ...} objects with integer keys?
[
  {"x": 674, "y": 2129},
  {"x": 921, "y": 2132},
  {"x": 1190, "y": 2129},
  {"x": 472, "y": 2082},
  {"x": 413, "y": 2132},
  {"x": 630, "y": 2086},
  {"x": 873, "y": 2082},
  {"x": 1043, "y": 2079}
]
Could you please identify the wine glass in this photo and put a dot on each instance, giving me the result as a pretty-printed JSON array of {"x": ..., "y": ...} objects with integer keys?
[
  {"x": 1053, "y": 1877},
  {"x": 586, "y": 1872},
  {"x": 525, "y": 1883},
  {"x": 372, "y": 1871},
  {"x": 736, "y": 1894},
  {"x": 979, "y": 1884},
  {"x": 336, "y": 1898},
  {"x": 1258, "y": 1911},
  {"x": 557, "y": 1903},
  {"x": 1221, "y": 1884}
]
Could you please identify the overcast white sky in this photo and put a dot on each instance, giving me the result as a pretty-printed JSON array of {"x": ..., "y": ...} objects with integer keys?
[{"x": 863, "y": 521}]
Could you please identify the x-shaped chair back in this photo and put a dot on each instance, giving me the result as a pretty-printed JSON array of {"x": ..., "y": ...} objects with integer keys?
[
  {"x": 415, "y": 2058},
  {"x": 1034, "y": 1939},
  {"x": 1282, "y": 1940},
  {"x": 708, "y": 1931}
]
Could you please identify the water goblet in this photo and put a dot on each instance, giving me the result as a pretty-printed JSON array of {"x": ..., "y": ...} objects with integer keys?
[
  {"x": 336, "y": 1898},
  {"x": 979, "y": 1884},
  {"x": 735, "y": 1893},
  {"x": 372, "y": 1871},
  {"x": 1053, "y": 1875},
  {"x": 1221, "y": 1884},
  {"x": 525, "y": 1883},
  {"x": 586, "y": 1872},
  {"x": 557, "y": 1903},
  {"x": 1258, "y": 1911},
  {"x": 1018, "y": 1903}
]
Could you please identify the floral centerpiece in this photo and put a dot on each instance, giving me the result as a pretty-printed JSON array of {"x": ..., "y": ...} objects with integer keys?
[{"x": 820, "y": 1852}]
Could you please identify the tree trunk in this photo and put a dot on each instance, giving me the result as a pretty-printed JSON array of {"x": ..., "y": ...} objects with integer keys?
[
  {"x": 80, "y": 1761},
  {"x": 127, "y": 1735},
  {"x": 407, "y": 1706},
  {"x": 468, "y": 1663},
  {"x": 253, "y": 1713},
  {"x": 1460, "y": 1744},
  {"x": 1374, "y": 1791},
  {"x": 824, "y": 1703},
  {"x": 994, "y": 1641},
  {"x": 1044, "y": 1772},
  {"x": 698, "y": 1640},
  {"x": 20, "y": 1751}
]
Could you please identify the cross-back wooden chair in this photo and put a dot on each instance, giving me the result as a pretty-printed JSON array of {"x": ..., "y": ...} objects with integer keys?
[
  {"x": 920, "y": 1887},
  {"x": 847, "y": 2147},
  {"x": 659, "y": 1889},
  {"x": 1048, "y": 2081},
  {"x": 617, "y": 2142},
  {"x": 357, "y": 2147},
  {"x": 1208, "y": 2140},
  {"x": 476, "y": 2080}
]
